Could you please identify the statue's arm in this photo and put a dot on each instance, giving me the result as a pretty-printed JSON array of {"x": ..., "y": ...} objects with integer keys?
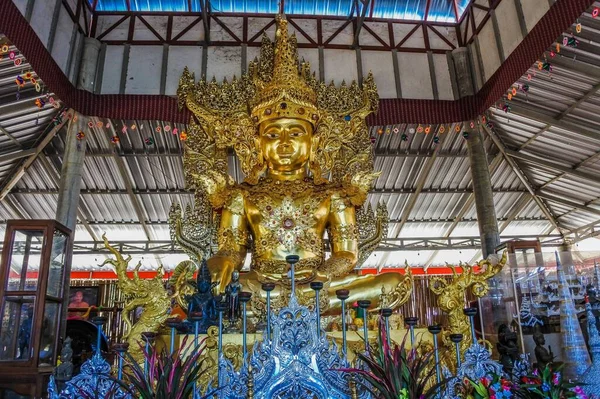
[
  {"x": 344, "y": 239},
  {"x": 232, "y": 239}
]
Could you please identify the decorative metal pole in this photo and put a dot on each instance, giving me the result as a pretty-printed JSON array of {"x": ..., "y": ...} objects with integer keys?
[
  {"x": 221, "y": 307},
  {"x": 120, "y": 348},
  {"x": 317, "y": 286},
  {"x": 364, "y": 305},
  {"x": 268, "y": 287},
  {"x": 386, "y": 313},
  {"x": 172, "y": 323},
  {"x": 244, "y": 299},
  {"x": 148, "y": 337},
  {"x": 470, "y": 313},
  {"x": 457, "y": 339},
  {"x": 411, "y": 322},
  {"x": 435, "y": 330},
  {"x": 99, "y": 322},
  {"x": 195, "y": 318},
  {"x": 292, "y": 260},
  {"x": 342, "y": 295}
]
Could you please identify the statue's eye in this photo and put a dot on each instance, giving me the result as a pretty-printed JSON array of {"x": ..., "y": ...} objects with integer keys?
[{"x": 272, "y": 135}]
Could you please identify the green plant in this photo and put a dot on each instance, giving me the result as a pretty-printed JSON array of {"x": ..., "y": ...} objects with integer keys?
[
  {"x": 395, "y": 372},
  {"x": 549, "y": 384},
  {"x": 169, "y": 376}
]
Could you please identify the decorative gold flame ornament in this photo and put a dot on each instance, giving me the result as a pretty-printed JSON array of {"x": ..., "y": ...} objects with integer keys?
[
  {"x": 451, "y": 300},
  {"x": 149, "y": 294},
  {"x": 306, "y": 154}
]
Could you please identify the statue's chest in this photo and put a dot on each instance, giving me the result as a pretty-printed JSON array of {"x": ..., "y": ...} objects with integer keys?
[{"x": 289, "y": 212}]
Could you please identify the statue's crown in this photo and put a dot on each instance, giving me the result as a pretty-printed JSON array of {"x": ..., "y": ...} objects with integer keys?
[
  {"x": 277, "y": 86},
  {"x": 281, "y": 90}
]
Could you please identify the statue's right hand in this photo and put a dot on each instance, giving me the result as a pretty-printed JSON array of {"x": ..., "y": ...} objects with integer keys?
[{"x": 220, "y": 271}]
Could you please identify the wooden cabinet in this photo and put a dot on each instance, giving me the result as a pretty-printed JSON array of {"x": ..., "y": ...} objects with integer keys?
[{"x": 34, "y": 275}]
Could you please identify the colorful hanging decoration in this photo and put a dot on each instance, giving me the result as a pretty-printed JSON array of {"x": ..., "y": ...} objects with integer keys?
[
  {"x": 4, "y": 49},
  {"x": 80, "y": 135},
  {"x": 114, "y": 140},
  {"x": 99, "y": 124},
  {"x": 457, "y": 128},
  {"x": 436, "y": 139},
  {"x": 379, "y": 131},
  {"x": 20, "y": 81},
  {"x": 419, "y": 129},
  {"x": 570, "y": 41},
  {"x": 428, "y": 130},
  {"x": 175, "y": 132},
  {"x": 506, "y": 107},
  {"x": 442, "y": 129},
  {"x": 18, "y": 61},
  {"x": 396, "y": 130},
  {"x": 90, "y": 124},
  {"x": 411, "y": 130},
  {"x": 124, "y": 129},
  {"x": 149, "y": 141},
  {"x": 40, "y": 103},
  {"x": 373, "y": 140},
  {"x": 578, "y": 27},
  {"x": 465, "y": 134},
  {"x": 595, "y": 12},
  {"x": 12, "y": 55},
  {"x": 133, "y": 127},
  {"x": 158, "y": 129},
  {"x": 404, "y": 137},
  {"x": 544, "y": 66},
  {"x": 183, "y": 136},
  {"x": 509, "y": 96},
  {"x": 524, "y": 88},
  {"x": 167, "y": 128}
]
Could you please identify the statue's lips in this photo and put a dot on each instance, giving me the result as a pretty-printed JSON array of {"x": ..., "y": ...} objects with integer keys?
[{"x": 285, "y": 154}]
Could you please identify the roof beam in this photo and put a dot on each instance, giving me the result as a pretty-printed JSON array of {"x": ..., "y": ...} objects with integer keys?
[
  {"x": 521, "y": 175},
  {"x": 16, "y": 155},
  {"x": 552, "y": 197},
  {"x": 423, "y": 175},
  {"x": 552, "y": 165},
  {"x": 55, "y": 177},
  {"x": 10, "y": 137},
  {"x": 527, "y": 112},
  {"x": 586, "y": 161},
  {"x": 467, "y": 204},
  {"x": 20, "y": 172},
  {"x": 360, "y": 20}
]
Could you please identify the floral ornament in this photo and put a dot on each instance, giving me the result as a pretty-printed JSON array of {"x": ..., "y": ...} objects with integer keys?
[
  {"x": 529, "y": 76},
  {"x": 411, "y": 130},
  {"x": 12, "y": 55},
  {"x": 183, "y": 136},
  {"x": 465, "y": 134},
  {"x": 90, "y": 124},
  {"x": 158, "y": 129},
  {"x": 40, "y": 103},
  {"x": 124, "y": 129},
  {"x": 99, "y": 124},
  {"x": 514, "y": 91},
  {"x": 595, "y": 12},
  {"x": 167, "y": 128},
  {"x": 149, "y": 141},
  {"x": 457, "y": 128},
  {"x": 524, "y": 88},
  {"x": 380, "y": 131},
  {"x": 509, "y": 96},
  {"x": 436, "y": 139},
  {"x": 80, "y": 135},
  {"x": 288, "y": 222},
  {"x": 108, "y": 125},
  {"x": 396, "y": 130},
  {"x": 18, "y": 61},
  {"x": 570, "y": 42},
  {"x": 442, "y": 129},
  {"x": 20, "y": 81},
  {"x": 28, "y": 76},
  {"x": 175, "y": 132},
  {"x": 4, "y": 49},
  {"x": 404, "y": 137},
  {"x": 472, "y": 125},
  {"x": 133, "y": 127},
  {"x": 427, "y": 129},
  {"x": 419, "y": 129},
  {"x": 114, "y": 140},
  {"x": 506, "y": 107},
  {"x": 578, "y": 27}
]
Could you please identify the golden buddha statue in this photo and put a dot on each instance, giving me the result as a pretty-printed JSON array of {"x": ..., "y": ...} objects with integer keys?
[{"x": 307, "y": 157}]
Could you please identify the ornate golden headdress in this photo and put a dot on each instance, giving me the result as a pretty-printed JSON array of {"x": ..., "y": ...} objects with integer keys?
[{"x": 228, "y": 115}]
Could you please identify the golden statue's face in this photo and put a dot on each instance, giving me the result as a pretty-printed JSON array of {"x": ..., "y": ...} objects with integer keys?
[{"x": 285, "y": 143}]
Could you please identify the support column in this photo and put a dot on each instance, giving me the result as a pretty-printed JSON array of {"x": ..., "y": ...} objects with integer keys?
[
  {"x": 89, "y": 64},
  {"x": 462, "y": 69},
  {"x": 482, "y": 190}
]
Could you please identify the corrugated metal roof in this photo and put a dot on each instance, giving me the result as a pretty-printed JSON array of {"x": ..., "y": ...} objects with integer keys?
[{"x": 439, "y": 10}]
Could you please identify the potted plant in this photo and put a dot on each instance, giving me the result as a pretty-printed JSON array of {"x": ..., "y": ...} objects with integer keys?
[
  {"x": 549, "y": 384},
  {"x": 169, "y": 376},
  {"x": 395, "y": 372}
]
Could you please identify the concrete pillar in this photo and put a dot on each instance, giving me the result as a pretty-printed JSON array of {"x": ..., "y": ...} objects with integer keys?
[
  {"x": 70, "y": 176},
  {"x": 69, "y": 188},
  {"x": 464, "y": 76},
  {"x": 482, "y": 190},
  {"x": 89, "y": 64}
]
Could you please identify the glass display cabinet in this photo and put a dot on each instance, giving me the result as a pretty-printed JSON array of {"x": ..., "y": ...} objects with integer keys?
[{"x": 34, "y": 272}]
